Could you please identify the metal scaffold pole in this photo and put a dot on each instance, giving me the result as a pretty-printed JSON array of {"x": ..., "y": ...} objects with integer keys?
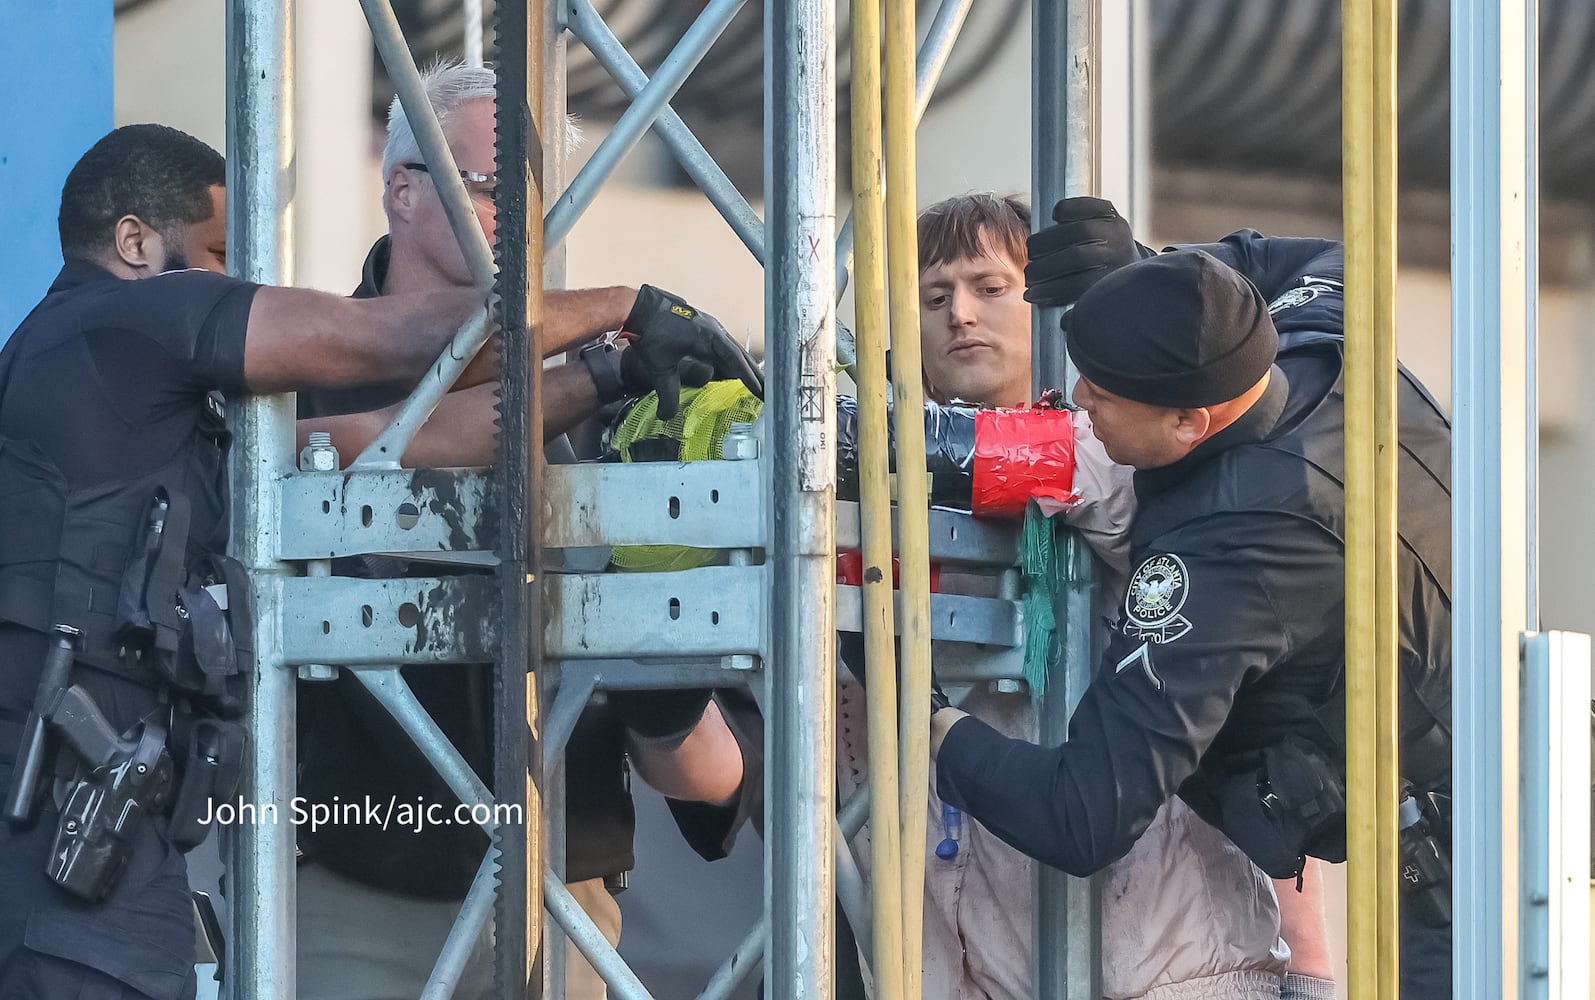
[
  {"x": 518, "y": 707},
  {"x": 801, "y": 410},
  {"x": 1065, "y": 158},
  {"x": 260, "y": 248}
]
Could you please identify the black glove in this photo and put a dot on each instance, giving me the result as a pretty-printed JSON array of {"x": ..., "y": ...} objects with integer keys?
[
  {"x": 663, "y": 718},
  {"x": 673, "y": 344},
  {"x": 1090, "y": 239}
]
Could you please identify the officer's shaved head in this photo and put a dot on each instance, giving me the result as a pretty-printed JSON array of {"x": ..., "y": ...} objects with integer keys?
[{"x": 159, "y": 174}]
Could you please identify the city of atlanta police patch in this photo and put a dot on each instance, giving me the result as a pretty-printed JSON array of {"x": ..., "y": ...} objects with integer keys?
[{"x": 1158, "y": 589}]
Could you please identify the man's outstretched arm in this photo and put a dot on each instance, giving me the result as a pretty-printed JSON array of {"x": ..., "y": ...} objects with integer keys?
[{"x": 1161, "y": 696}]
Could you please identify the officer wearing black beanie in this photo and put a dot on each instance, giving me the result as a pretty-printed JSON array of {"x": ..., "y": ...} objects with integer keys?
[
  {"x": 1218, "y": 372},
  {"x": 1180, "y": 330}
]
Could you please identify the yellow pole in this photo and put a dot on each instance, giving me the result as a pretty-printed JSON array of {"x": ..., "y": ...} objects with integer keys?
[
  {"x": 913, "y": 484},
  {"x": 1386, "y": 657},
  {"x": 875, "y": 503},
  {"x": 1369, "y": 157}
]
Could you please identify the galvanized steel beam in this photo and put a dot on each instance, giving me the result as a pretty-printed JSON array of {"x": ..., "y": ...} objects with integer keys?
[
  {"x": 712, "y": 611},
  {"x": 260, "y": 242},
  {"x": 953, "y": 617},
  {"x": 588, "y": 26},
  {"x": 329, "y": 515},
  {"x": 351, "y": 620},
  {"x": 1066, "y": 160},
  {"x": 712, "y": 505},
  {"x": 800, "y": 115},
  {"x": 956, "y": 539},
  {"x": 638, "y": 118}
]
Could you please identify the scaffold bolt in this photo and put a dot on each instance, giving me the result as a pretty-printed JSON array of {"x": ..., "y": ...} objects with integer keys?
[
  {"x": 319, "y": 455},
  {"x": 740, "y": 443}
]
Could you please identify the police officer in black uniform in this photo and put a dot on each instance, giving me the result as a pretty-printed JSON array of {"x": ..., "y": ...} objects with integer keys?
[
  {"x": 1217, "y": 373},
  {"x": 113, "y": 522}
]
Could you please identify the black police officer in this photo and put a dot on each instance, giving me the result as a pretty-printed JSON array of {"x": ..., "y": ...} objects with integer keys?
[
  {"x": 108, "y": 411},
  {"x": 1216, "y": 372}
]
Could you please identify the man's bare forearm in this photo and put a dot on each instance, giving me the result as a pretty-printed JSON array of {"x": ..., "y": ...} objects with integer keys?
[
  {"x": 576, "y": 317},
  {"x": 569, "y": 397},
  {"x": 300, "y": 339},
  {"x": 460, "y": 433}
]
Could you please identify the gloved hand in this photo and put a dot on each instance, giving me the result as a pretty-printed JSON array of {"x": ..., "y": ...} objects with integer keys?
[
  {"x": 673, "y": 344},
  {"x": 1089, "y": 240}
]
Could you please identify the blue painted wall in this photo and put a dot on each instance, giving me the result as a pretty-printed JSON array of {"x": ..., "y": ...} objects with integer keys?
[{"x": 56, "y": 99}]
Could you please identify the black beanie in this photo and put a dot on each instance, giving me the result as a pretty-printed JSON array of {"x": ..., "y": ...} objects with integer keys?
[{"x": 1181, "y": 329}]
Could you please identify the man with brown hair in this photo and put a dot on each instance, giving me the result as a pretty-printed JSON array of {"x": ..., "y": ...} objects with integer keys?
[{"x": 1185, "y": 913}]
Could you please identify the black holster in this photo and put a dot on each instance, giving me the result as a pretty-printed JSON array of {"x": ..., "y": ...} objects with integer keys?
[
  {"x": 210, "y": 774},
  {"x": 1282, "y": 804},
  {"x": 122, "y": 780}
]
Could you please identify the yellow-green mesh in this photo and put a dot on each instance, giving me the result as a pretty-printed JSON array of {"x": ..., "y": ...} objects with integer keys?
[{"x": 700, "y": 427}]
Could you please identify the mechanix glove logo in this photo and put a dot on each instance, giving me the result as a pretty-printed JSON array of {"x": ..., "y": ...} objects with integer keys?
[
  {"x": 1152, "y": 606},
  {"x": 685, "y": 312}
]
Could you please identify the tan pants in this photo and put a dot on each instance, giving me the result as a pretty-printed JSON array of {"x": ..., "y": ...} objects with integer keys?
[
  {"x": 360, "y": 943},
  {"x": 582, "y": 982},
  {"x": 1185, "y": 915}
]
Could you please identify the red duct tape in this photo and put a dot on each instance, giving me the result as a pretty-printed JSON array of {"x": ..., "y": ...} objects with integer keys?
[{"x": 1020, "y": 454}]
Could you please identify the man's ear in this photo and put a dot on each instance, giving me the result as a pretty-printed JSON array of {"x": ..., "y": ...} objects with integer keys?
[
  {"x": 137, "y": 244},
  {"x": 402, "y": 194},
  {"x": 1191, "y": 426}
]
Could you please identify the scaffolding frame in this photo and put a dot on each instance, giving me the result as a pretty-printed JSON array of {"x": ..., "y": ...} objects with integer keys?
[
  {"x": 725, "y": 622},
  {"x": 1493, "y": 192}
]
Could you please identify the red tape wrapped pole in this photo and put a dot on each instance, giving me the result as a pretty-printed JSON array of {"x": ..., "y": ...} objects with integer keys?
[{"x": 1019, "y": 455}]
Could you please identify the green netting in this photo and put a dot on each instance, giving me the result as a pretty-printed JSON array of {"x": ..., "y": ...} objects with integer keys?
[{"x": 1042, "y": 578}]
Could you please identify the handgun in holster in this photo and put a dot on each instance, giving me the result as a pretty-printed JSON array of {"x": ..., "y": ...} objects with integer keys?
[
  {"x": 122, "y": 780},
  {"x": 1424, "y": 844},
  {"x": 34, "y": 755}
]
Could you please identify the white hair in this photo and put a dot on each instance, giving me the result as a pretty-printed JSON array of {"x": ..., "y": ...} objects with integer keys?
[{"x": 448, "y": 85}]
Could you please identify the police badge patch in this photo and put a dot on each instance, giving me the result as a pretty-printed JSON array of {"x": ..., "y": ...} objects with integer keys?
[
  {"x": 1310, "y": 288},
  {"x": 1158, "y": 589}
]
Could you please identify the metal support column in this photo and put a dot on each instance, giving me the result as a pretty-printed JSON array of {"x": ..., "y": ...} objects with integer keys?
[
  {"x": 518, "y": 919},
  {"x": 1066, "y": 154},
  {"x": 800, "y": 99},
  {"x": 260, "y": 244},
  {"x": 1493, "y": 221}
]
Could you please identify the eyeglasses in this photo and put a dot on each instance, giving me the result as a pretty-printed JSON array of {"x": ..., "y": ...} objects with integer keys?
[{"x": 479, "y": 185}]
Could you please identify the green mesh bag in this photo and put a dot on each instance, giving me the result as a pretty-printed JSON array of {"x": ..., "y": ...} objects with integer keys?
[{"x": 693, "y": 435}]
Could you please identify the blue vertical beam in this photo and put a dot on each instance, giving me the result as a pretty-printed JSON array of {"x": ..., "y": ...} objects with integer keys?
[
  {"x": 1493, "y": 293},
  {"x": 58, "y": 53}
]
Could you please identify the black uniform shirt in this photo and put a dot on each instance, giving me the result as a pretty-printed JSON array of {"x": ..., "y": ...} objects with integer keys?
[
  {"x": 1231, "y": 631},
  {"x": 108, "y": 378}
]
